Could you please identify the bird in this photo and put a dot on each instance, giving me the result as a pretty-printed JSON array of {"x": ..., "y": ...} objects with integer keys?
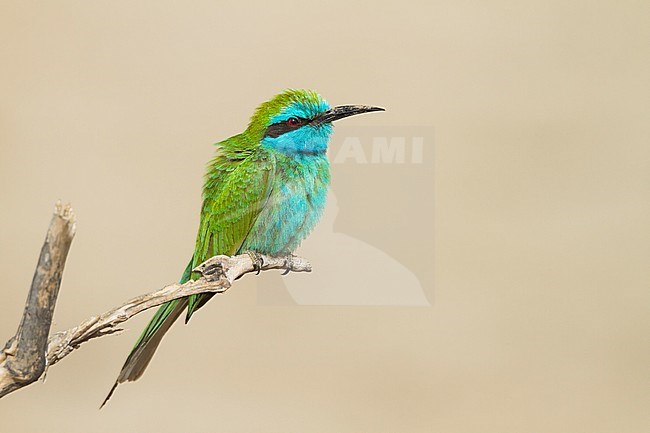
[{"x": 264, "y": 192}]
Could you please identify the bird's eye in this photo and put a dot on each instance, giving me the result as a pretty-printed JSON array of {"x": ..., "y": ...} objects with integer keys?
[{"x": 293, "y": 121}]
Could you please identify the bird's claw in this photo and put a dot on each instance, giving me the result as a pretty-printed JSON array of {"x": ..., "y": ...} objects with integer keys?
[
  {"x": 257, "y": 260},
  {"x": 288, "y": 264},
  {"x": 212, "y": 272}
]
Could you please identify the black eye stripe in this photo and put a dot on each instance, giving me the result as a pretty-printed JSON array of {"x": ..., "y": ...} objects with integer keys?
[{"x": 277, "y": 129}]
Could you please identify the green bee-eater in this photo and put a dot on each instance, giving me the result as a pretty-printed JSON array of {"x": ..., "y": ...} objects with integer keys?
[{"x": 264, "y": 192}]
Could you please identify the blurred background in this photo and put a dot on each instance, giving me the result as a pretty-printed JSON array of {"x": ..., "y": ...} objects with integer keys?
[{"x": 526, "y": 226}]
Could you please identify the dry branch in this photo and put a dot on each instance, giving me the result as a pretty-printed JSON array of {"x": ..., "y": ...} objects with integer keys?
[
  {"x": 27, "y": 355},
  {"x": 219, "y": 272},
  {"x": 22, "y": 361}
]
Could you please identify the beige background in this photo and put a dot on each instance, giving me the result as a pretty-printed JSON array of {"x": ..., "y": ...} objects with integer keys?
[{"x": 539, "y": 321}]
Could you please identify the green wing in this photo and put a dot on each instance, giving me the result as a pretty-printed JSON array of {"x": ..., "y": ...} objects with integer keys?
[
  {"x": 235, "y": 192},
  {"x": 236, "y": 189}
]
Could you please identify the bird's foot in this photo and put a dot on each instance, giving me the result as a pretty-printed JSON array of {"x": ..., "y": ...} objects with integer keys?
[
  {"x": 257, "y": 260},
  {"x": 288, "y": 263}
]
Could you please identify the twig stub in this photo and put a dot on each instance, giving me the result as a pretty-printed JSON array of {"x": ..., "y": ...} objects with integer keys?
[{"x": 23, "y": 359}]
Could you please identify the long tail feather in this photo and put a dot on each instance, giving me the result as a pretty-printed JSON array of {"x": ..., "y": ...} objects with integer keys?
[
  {"x": 195, "y": 302},
  {"x": 146, "y": 346},
  {"x": 144, "y": 350}
]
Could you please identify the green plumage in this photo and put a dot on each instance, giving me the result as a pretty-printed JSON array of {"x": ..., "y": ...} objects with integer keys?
[
  {"x": 264, "y": 191},
  {"x": 235, "y": 192}
]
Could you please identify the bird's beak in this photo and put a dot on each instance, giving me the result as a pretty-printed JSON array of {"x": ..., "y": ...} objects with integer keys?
[{"x": 343, "y": 111}]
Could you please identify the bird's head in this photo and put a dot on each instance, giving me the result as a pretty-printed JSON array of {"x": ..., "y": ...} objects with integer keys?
[{"x": 299, "y": 121}]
